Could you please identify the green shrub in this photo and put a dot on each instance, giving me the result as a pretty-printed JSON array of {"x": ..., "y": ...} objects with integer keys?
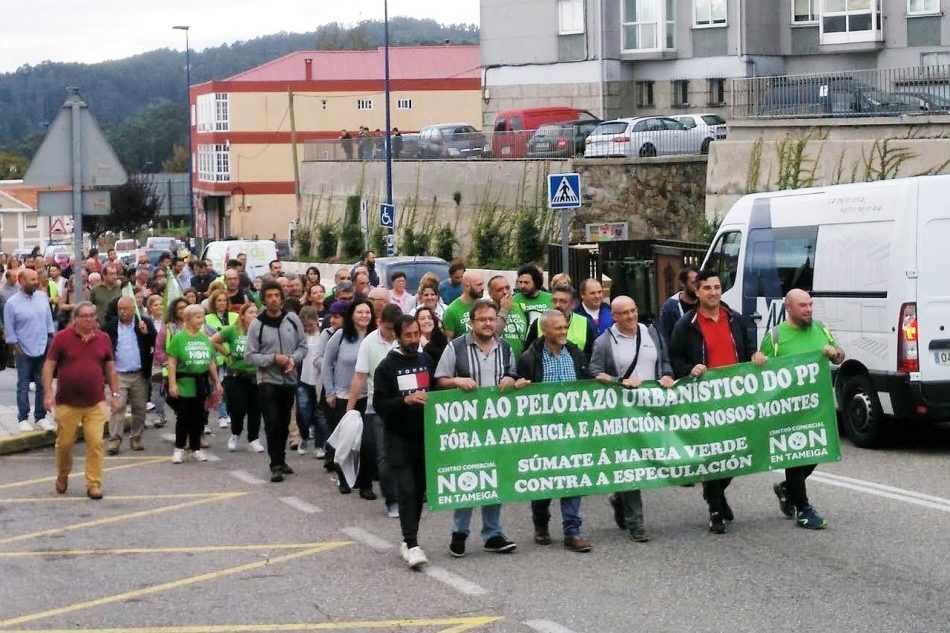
[
  {"x": 444, "y": 242},
  {"x": 351, "y": 237},
  {"x": 327, "y": 237},
  {"x": 529, "y": 246},
  {"x": 304, "y": 239},
  {"x": 413, "y": 242}
]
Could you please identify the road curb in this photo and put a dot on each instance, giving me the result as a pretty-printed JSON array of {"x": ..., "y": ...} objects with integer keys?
[{"x": 31, "y": 440}]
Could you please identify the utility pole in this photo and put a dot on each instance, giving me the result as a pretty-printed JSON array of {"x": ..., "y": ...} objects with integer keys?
[{"x": 293, "y": 151}]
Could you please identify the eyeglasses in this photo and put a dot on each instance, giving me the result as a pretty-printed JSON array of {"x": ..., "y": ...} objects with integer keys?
[{"x": 485, "y": 319}]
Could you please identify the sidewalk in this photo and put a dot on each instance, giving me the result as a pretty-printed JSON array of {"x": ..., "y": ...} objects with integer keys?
[{"x": 12, "y": 440}]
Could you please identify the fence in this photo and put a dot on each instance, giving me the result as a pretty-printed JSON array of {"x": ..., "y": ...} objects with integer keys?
[{"x": 882, "y": 92}]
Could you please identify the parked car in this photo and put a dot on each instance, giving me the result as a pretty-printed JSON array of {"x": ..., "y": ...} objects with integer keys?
[
  {"x": 924, "y": 101},
  {"x": 828, "y": 96},
  {"x": 646, "y": 136},
  {"x": 715, "y": 124},
  {"x": 170, "y": 244},
  {"x": 560, "y": 140},
  {"x": 450, "y": 140},
  {"x": 414, "y": 267},
  {"x": 513, "y": 128}
]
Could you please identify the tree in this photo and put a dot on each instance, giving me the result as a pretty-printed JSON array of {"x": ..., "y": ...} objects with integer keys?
[
  {"x": 134, "y": 206},
  {"x": 12, "y": 167},
  {"x": 178, "y": 163}
]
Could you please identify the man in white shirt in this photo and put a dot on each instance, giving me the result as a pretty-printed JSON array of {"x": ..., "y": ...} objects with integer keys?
[
  {"x": 373, "y": 349},
  {"x": 593, "y": 307},
  {"x": 630, "y": 353}
]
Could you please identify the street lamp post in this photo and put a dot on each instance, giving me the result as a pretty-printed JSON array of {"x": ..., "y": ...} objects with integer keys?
[
  {"x": 191, "y": 193},
  {"x": 389, "y": 140}
]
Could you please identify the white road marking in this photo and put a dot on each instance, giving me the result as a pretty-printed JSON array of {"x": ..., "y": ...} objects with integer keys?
[
  {"x": 299, "y": 504},
  {"x": 454, "y": 581},
  {"x": 367, "y": 538},
  {"x": 246, "y": 477},
  {"x": 169, "y": 437},
  {"x": 547, "y": 626},
  {"x": 881, "y": 490},
  {"x": 212, "y": 457}
]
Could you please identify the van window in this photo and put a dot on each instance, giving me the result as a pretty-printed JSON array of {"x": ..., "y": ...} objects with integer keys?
[
  {"x": 724, "y": 258},
  {"x": 778, "y": 260},
  {"x": 516, "y": 125},
  {"x": 500, "y": 125}
]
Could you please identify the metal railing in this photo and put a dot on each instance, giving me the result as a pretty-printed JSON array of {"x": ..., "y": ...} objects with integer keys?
[{"x": 879, "y": 92}]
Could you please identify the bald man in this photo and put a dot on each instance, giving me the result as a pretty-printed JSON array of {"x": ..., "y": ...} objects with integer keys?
[
  {"x": 799, "y": 334},
  {"x": 133, "y": 339},
  {"x": 455, "y": 320}
]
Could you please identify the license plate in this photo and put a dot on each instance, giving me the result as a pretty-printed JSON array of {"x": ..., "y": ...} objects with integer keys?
[
  {"x": 942, "y": 357},
  {"x": 543, "y": 145}
]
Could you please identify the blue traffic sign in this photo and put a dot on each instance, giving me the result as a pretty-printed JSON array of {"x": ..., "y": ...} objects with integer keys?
[
  {"x": 387, "y": 216},
  {"x": 564, "y": 191}
]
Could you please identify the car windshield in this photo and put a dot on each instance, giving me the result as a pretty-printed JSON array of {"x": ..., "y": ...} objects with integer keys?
[
  {"x": 713, "y": 119},
  {"x": 414, "y": 272}
]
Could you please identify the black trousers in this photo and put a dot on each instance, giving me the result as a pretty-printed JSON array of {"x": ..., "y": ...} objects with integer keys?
[
  {"x": 243, "y": 400},
  {"x": 714, "y": 491},
  {"x": 407, "y": 466},
  {"x": 276, "y": 404},
  {"x": 795, "y": 485},
  {"x": 190, "y": 420}
]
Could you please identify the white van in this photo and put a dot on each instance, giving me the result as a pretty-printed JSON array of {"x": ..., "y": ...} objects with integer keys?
[
  {"x": 260, "y": 253},
  {"x": 875, "y": 257}
]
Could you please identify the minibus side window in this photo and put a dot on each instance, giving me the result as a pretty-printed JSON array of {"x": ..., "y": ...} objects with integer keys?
[
  {"x": 778, "y": 260},
  {"x": 724, "y": 258}
]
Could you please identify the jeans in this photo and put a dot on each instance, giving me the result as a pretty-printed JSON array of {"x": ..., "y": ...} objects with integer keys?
[
  {"x": 277, "y": 401},
  {"x": 407, "y": 461},
  {"x": 795, "y": 485},
  {"x": 190, "y": 420},
  {"x": 714, "y": 492},
  {"x": 222, "y": 408},
  {"x": 632, "y": 502},
  {"x": 386, "y": 484},
  {"x": 310, "y": 413},
  {"x": 243, "y": 401},
  {"x": 29, "y": 369},
  {"x": 93, "y": 420},
  {"x": 570, "y": 515},
  {"x": 491, "y": 521}
]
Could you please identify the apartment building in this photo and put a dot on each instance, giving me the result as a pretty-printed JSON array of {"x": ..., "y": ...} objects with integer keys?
[{"x": 624, "y": 57}]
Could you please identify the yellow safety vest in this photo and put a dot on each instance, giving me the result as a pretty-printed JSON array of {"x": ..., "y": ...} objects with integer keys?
[{"x": 576, "y": 330}]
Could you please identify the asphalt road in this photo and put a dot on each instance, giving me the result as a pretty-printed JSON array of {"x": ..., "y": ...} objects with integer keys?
[{"x": 212, "y": 547}]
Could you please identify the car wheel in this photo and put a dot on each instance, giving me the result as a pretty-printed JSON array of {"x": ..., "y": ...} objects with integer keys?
[
  {"x": 862, "y": 416},
  {"x": 704, "y": 148},
  {"x": 647, "y": 150}
]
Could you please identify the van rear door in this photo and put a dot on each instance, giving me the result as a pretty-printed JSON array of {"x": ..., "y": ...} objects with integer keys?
[{"x": 933, "y": 291}]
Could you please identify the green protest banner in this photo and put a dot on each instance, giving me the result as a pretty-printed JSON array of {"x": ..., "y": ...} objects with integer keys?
[{"x": 583, "y": 438}]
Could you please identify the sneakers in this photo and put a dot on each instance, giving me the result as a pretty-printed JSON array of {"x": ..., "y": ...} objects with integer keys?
[
  {"x": 717, "y": 524},
  {"x": 499, "y": 544},
  {"x": 392, "y": 510},
  {"x": 46, "y": 425},
  {"x": 639, "y": 535},
  {"x": 302, "y": 447},
  {"x": 810, "y": 520},
  {"x": 404, "y": 551},
  {"x": 542, "y": 536},
  {"x": 577, "y": 544},
  {"x": 149, "y": 406},
  {"x": 114, "y": 445},
  {"x": 200, "y": 456},
  {"x": 786, "y": 506},
  {"x": 159, "y": 423},
  {"x": 255, "y": 446},
  {"x": 319, "y": 453},
  {"x": 224, "y": 422},
  {"x": 368, "y": 494},
  {"x": 276, "y": 476},
  {"x": 726, "y": 510},
  {"x": 207, "y": 430},
  {"x": 617, "y": 505},
  {"x": 232, "y": 443},
  {"x": 25, "y": 426},
  {"x": 416, "y": 557},
  {"x": 178, "y": 455},
  {"x": 457, "y": 546}
]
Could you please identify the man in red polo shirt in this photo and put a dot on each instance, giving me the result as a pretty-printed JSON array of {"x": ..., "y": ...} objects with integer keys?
[
  {"x": 708, "y": 336},
  {"x": 81, "y": 356}
]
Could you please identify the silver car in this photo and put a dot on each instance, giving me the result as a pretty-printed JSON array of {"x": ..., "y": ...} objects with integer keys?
[
  {"x": 713, "y": 123},
  {"x": 645, "y": 136}
]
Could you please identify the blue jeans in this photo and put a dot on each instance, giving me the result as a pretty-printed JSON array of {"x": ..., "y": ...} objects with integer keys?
[
  {"x": 310, "y": 413},
  {"x": 570, "y": 514},
  {"x": 222, "y": 403},
  {"x": 387, "y": 484},
  {"x": 29, "y": 369},
  {"x": 491, "y": 521}
]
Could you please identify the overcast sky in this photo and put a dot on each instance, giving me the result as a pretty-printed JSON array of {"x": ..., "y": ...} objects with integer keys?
[{"x": 97, "y": 30}]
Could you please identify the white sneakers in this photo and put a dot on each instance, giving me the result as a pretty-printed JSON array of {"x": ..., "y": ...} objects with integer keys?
[
  {"x": 414, "y": 556},
  {"x": 256, "y": 446},
  {"x": 200, "y": 456},
  {"x": 392, "y": 510},
  {"x": 302, "y": 447},
  {"x": 319, "y": 453},
  {"x": 224, "y": 422},
  {"x": 25, "y": 426},
  {"x": 178, "y": 455},
  {"x": 46, "y": 425},
  {"x": 232, "y": 443}
]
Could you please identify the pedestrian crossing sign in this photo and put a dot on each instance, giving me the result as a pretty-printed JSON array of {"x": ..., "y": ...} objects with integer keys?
[{"x": 564, "y": 191}]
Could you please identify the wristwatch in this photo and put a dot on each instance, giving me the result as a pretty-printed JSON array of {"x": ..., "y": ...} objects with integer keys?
[{"x": 115, "y": 394}]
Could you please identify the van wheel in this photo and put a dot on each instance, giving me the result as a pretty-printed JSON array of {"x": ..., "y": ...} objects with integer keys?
[
  {"x": 647, "y": 151},
  {"x": 862, "y": 415},
  {"x": 704, "y": 148}
]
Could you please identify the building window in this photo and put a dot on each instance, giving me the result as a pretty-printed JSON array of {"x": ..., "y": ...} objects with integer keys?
[
  {"x": 923, "y": 7},
  {"x": 645, "y": 94},
  {"x": 648, "y": 25},
  {"x": 212, "y": 112},
  {"x": 805, "y": 11},
  {"x": 570, "y": 17},
  {"x": 709, "y": 13},
  {"x": 680, "y": 93},
  {"x": 848, "y": 21},
  {"x": 717, "y": 92},
  {"x": 935, "y": 59},
  {"x": 364, "y": 104},
  {"x": 214, "y": 163},
  {"x": 404, "y": 104}
]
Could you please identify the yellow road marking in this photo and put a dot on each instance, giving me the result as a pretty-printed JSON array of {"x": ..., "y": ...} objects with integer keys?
[
  {"x": 163, "y": 550},
  {"x": 61, "y": 498},
  {"x": 457, "y": 625},
  {"x": 221, "y": 496},
  {"x": 167, "y": 586},
  {"x": 52, "y": 457},
  {"x": 40, "y": 480}
]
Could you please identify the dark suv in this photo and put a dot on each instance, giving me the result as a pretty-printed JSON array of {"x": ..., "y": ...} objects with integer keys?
[
  {"x": 450, "y": 140},
  {"x": 560, "y": 140},
  {"x": 824, "y": 96}
]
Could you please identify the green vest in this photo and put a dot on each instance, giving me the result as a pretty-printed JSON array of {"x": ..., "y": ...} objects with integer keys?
[
  {"x": 214, "y": 323},
  {"x": 576, "y": 330}
]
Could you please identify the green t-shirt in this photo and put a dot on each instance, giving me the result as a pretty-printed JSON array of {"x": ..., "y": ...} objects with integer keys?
[
  {"x": 533, "y": 308},
  {"x": 195, "y": 355},
  {"x": 792, "y": 340},
  {"x": 516, "y": 330},
  {"x": 236, "y": 342},
  {"x": 456, "y": 317}
]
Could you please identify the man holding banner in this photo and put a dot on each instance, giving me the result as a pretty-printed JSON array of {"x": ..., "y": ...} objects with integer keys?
[
  {"x": 473, "y": 360},
  {"x": 552, "y": 358},
  {"x": 797, "y": 335},
  {"x": 629, "y": 352},
  {"x": 709, "y": 336}
]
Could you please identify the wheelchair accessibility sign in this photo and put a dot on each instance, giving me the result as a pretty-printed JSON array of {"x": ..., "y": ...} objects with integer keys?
[{"x": 387, "y": 216}]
